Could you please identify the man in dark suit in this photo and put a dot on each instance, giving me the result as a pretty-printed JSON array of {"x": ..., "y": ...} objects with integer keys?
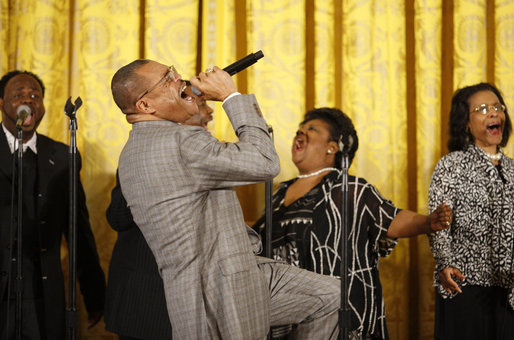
[
  {"x": 135, "y": 305},
  {"x": 45, "y": 220}
]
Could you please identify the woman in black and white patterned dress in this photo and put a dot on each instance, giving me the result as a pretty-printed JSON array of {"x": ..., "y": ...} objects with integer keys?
[
  {"x": 307, "y": 219},
  {"x": 474, "y": 276}
]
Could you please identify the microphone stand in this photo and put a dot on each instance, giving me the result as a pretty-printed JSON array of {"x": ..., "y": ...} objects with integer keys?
[
  {"x": 269, "y": 214},
  {"x": 71, "y": 312},
  {"x": 19, "y": 243},
  {"x": 344, "y": 310},
  {"x": 268, "y": 209}
]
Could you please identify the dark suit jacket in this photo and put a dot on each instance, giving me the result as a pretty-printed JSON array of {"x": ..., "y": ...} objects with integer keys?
[
  {"x": 135, "y": 304},
  {"x": 52, "y": 210}
]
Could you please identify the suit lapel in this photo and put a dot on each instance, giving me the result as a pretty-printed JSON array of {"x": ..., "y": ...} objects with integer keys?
[
  {"x": 46, "y": 166},
  {"x": 45, "y": 162},
  {"x": 5, "y": 156}
]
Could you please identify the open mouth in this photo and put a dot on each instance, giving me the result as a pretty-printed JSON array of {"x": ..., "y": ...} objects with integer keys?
[
  {"x": 494, "y": 129},
  {"x": 28, "y": 121},
  {"x": 184, "y": 95},
  {"x": 299, "y": 144}
]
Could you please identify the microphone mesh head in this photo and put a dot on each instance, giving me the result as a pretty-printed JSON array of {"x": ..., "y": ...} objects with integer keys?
[{"x": 23, "y": 110}]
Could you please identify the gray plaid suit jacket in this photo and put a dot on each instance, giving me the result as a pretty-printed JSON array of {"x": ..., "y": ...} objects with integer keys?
[{"x": 178, "y": 183}]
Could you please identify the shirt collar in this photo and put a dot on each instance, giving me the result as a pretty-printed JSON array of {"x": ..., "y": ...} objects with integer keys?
[
  {"x": 12, "y": 141},
  {"x": 480, "y": 153}
]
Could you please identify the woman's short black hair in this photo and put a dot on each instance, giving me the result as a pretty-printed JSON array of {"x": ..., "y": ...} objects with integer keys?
[
  {"x": 341, "y": 128},
  {"x": 459, "y": 116}
]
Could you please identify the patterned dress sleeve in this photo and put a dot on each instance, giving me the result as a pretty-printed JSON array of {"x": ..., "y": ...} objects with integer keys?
[
  {"x": 442, "y": 189},
  {"x": 382, "y": 212}
]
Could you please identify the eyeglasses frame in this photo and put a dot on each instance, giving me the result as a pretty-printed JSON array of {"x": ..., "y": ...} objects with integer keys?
[
  {"x": 170, "y": 74},
  {"x": 484, "y": 108}
]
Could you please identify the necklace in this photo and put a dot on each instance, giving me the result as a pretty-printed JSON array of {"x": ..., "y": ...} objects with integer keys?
[
  {"x": 495, "y": 157},
  {"x": 316, "y": 173}
]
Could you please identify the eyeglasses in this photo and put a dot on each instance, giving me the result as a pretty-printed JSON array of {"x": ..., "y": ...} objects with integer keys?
[
  {"x": 483, "y": 109},
  {"x": 172, "y": 74}
]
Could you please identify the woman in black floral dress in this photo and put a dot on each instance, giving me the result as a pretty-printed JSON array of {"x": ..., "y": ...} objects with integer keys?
[
  {"x": 474, "y": 257},
  {"x": 307, "y": 220}
]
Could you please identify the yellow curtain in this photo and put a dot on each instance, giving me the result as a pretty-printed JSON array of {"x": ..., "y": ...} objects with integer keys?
[{"x": 392, "y": 66}]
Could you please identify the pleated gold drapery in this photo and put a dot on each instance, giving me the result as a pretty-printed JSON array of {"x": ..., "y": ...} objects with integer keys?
[{"x": 392, "y": 66}]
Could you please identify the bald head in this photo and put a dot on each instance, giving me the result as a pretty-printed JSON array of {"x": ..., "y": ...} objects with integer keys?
[{"x": 125, "y": 84}]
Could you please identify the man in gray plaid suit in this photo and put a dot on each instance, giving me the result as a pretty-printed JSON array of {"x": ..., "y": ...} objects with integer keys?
[{"x": 178, "y": 179}]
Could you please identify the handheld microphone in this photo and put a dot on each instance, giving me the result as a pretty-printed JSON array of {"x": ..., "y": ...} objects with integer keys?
[
  {"x": 22, "y": 112},
  {"x": 236, "y": 67},
  {"x": 241, "y": 64}
]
